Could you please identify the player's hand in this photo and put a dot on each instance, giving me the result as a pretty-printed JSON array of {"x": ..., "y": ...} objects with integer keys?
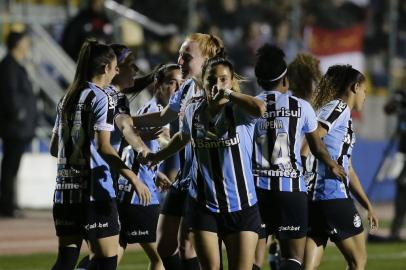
[
  {"x": 143, "y": 192},
  {"x": 162, "y": 182},
  {"x": 372, "y": 220},
  {"x": 142, "y": 157},
  {"x": 152, "y": 159},
  {"x": 339, "y": 171},
  {"x": 217, "y": 93}
]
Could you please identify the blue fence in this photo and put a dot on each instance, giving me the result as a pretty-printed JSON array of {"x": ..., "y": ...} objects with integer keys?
[{"x": 366, "y": 158}]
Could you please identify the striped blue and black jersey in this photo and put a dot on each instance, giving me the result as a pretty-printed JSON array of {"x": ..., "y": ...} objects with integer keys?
[
  {"x": 121, "y": 106},
  {"x": 126, "y": 193},
  {"x": 222, "y": 178},
  {"x": 335, "y": 117},
  {"x": 82, "y": 174},
  {"x": 310, "y": 173},
  {"x": 187, "y": 93},
  {"x": 277, "y": 140}
]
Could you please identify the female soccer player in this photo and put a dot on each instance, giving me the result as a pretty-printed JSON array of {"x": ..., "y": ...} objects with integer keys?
[
  {"x": 139, "y": 222},
  {"x": 222, "y": 201},
  {"x": 124, "y": 132},
  {"x": 277, "y": 165},
  {"x": 303, "y": 75},
  {"x": 84, "y": 199},
  {"x": 332, "y": 213},
  {"x": 195, "y": 50}
]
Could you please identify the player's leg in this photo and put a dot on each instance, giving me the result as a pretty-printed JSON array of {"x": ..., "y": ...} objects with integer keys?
[
  {"x": 102, "y": 232},
  {"x": 260, "y": 253},
  {"x": 292, "y": 228},
  {"x": 354, "y": 251},
  {"x": 68, "y": 226},
  {"x": 187, "y": 252},
  {"x": 347, "y": 231},
  {"x": 68, "y": 252},
  {"x": 241, "y": 249},
  {"x": 313, "y": 252},
  {"x": 207, "y": 249},
  {"x": 293, "y": 252},
  {"x": 167, "y": 240},
  {"x": 317, "y": 237},
  {"x": 153, "y": 256}
]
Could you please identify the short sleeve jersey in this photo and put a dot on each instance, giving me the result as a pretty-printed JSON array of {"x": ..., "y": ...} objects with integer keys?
[
  {"x": 82, "y": 174},
  {"x": 278, "y": 137},
  {"x": 222, "y": 179},
  {"x": 335, "y": 117}
]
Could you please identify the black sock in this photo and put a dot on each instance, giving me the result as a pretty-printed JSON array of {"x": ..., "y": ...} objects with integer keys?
[
  {"x": 84, "y": 263},
  {"x": 105, "y": 263},
  {"x": 255, "y": 267},
  {"x": 191, "y": 264},
  {"x": 172, "y": 262},
  {"x": 67, "y": 258},
  {"x": 290, "y": 264}
]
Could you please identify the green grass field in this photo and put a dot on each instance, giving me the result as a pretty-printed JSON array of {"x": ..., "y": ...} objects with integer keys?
[{"x": 380, "y": 256}]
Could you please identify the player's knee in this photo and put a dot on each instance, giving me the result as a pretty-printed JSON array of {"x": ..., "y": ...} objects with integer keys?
[
  {"x": 167, "y": 248},
  {"x": 67, "y": 258},
  {"x": 291, "y": 264},
  {"x": 358, "y": 261},
  {"x": 186, "y": 250}
]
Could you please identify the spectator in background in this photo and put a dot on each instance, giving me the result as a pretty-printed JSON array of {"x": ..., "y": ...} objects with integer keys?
[
  {"x": 91, "y": 22},
  {"x": 18, "y": 116},
  {"x": 397, "y": 105}
]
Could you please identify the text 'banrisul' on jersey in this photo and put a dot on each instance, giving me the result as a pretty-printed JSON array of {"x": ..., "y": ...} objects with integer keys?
[
  {"x": 222, "y": 180},
  {"x": 277, "y": 140}
]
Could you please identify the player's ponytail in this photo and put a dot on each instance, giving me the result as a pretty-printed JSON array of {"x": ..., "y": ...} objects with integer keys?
[
  {"x": 93, "y": 58},
  {"x": 336, "y": 82}
]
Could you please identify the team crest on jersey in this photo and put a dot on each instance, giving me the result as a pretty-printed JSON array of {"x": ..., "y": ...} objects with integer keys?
[{"x": 357, "y": 221}]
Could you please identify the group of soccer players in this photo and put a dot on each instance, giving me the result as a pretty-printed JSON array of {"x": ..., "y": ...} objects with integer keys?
[{"x": 250, "y": 167}]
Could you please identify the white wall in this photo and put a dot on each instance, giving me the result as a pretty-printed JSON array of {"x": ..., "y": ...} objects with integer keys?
[{"x": 36, "y": 181}]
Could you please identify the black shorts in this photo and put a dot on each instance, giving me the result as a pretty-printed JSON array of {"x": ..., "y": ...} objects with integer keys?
[
  {"x": 336, "y": 219},
  {"x": 200, "y": 218},
  {"x": 138, "y": 223},
  {"x": 283, "y": 214},
  {"x": 174, "y": 202},
  {"x": 101, "y": 220},
  {"x": 69, "y": 219}
]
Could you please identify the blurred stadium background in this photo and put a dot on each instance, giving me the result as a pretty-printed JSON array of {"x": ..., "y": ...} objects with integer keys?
[{"x": 369, "y": 34}]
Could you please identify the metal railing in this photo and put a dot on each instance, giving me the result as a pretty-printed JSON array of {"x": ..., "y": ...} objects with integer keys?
[{"x": 137, "y": 17}]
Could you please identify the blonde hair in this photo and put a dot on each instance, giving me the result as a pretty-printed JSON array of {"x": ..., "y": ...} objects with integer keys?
[{"x": 209, "y": 45}]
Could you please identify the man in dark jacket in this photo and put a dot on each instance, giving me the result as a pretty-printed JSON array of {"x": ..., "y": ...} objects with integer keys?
[
  {"x": 18, "y": 116},
  {"x": 90, "y": 22}
]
